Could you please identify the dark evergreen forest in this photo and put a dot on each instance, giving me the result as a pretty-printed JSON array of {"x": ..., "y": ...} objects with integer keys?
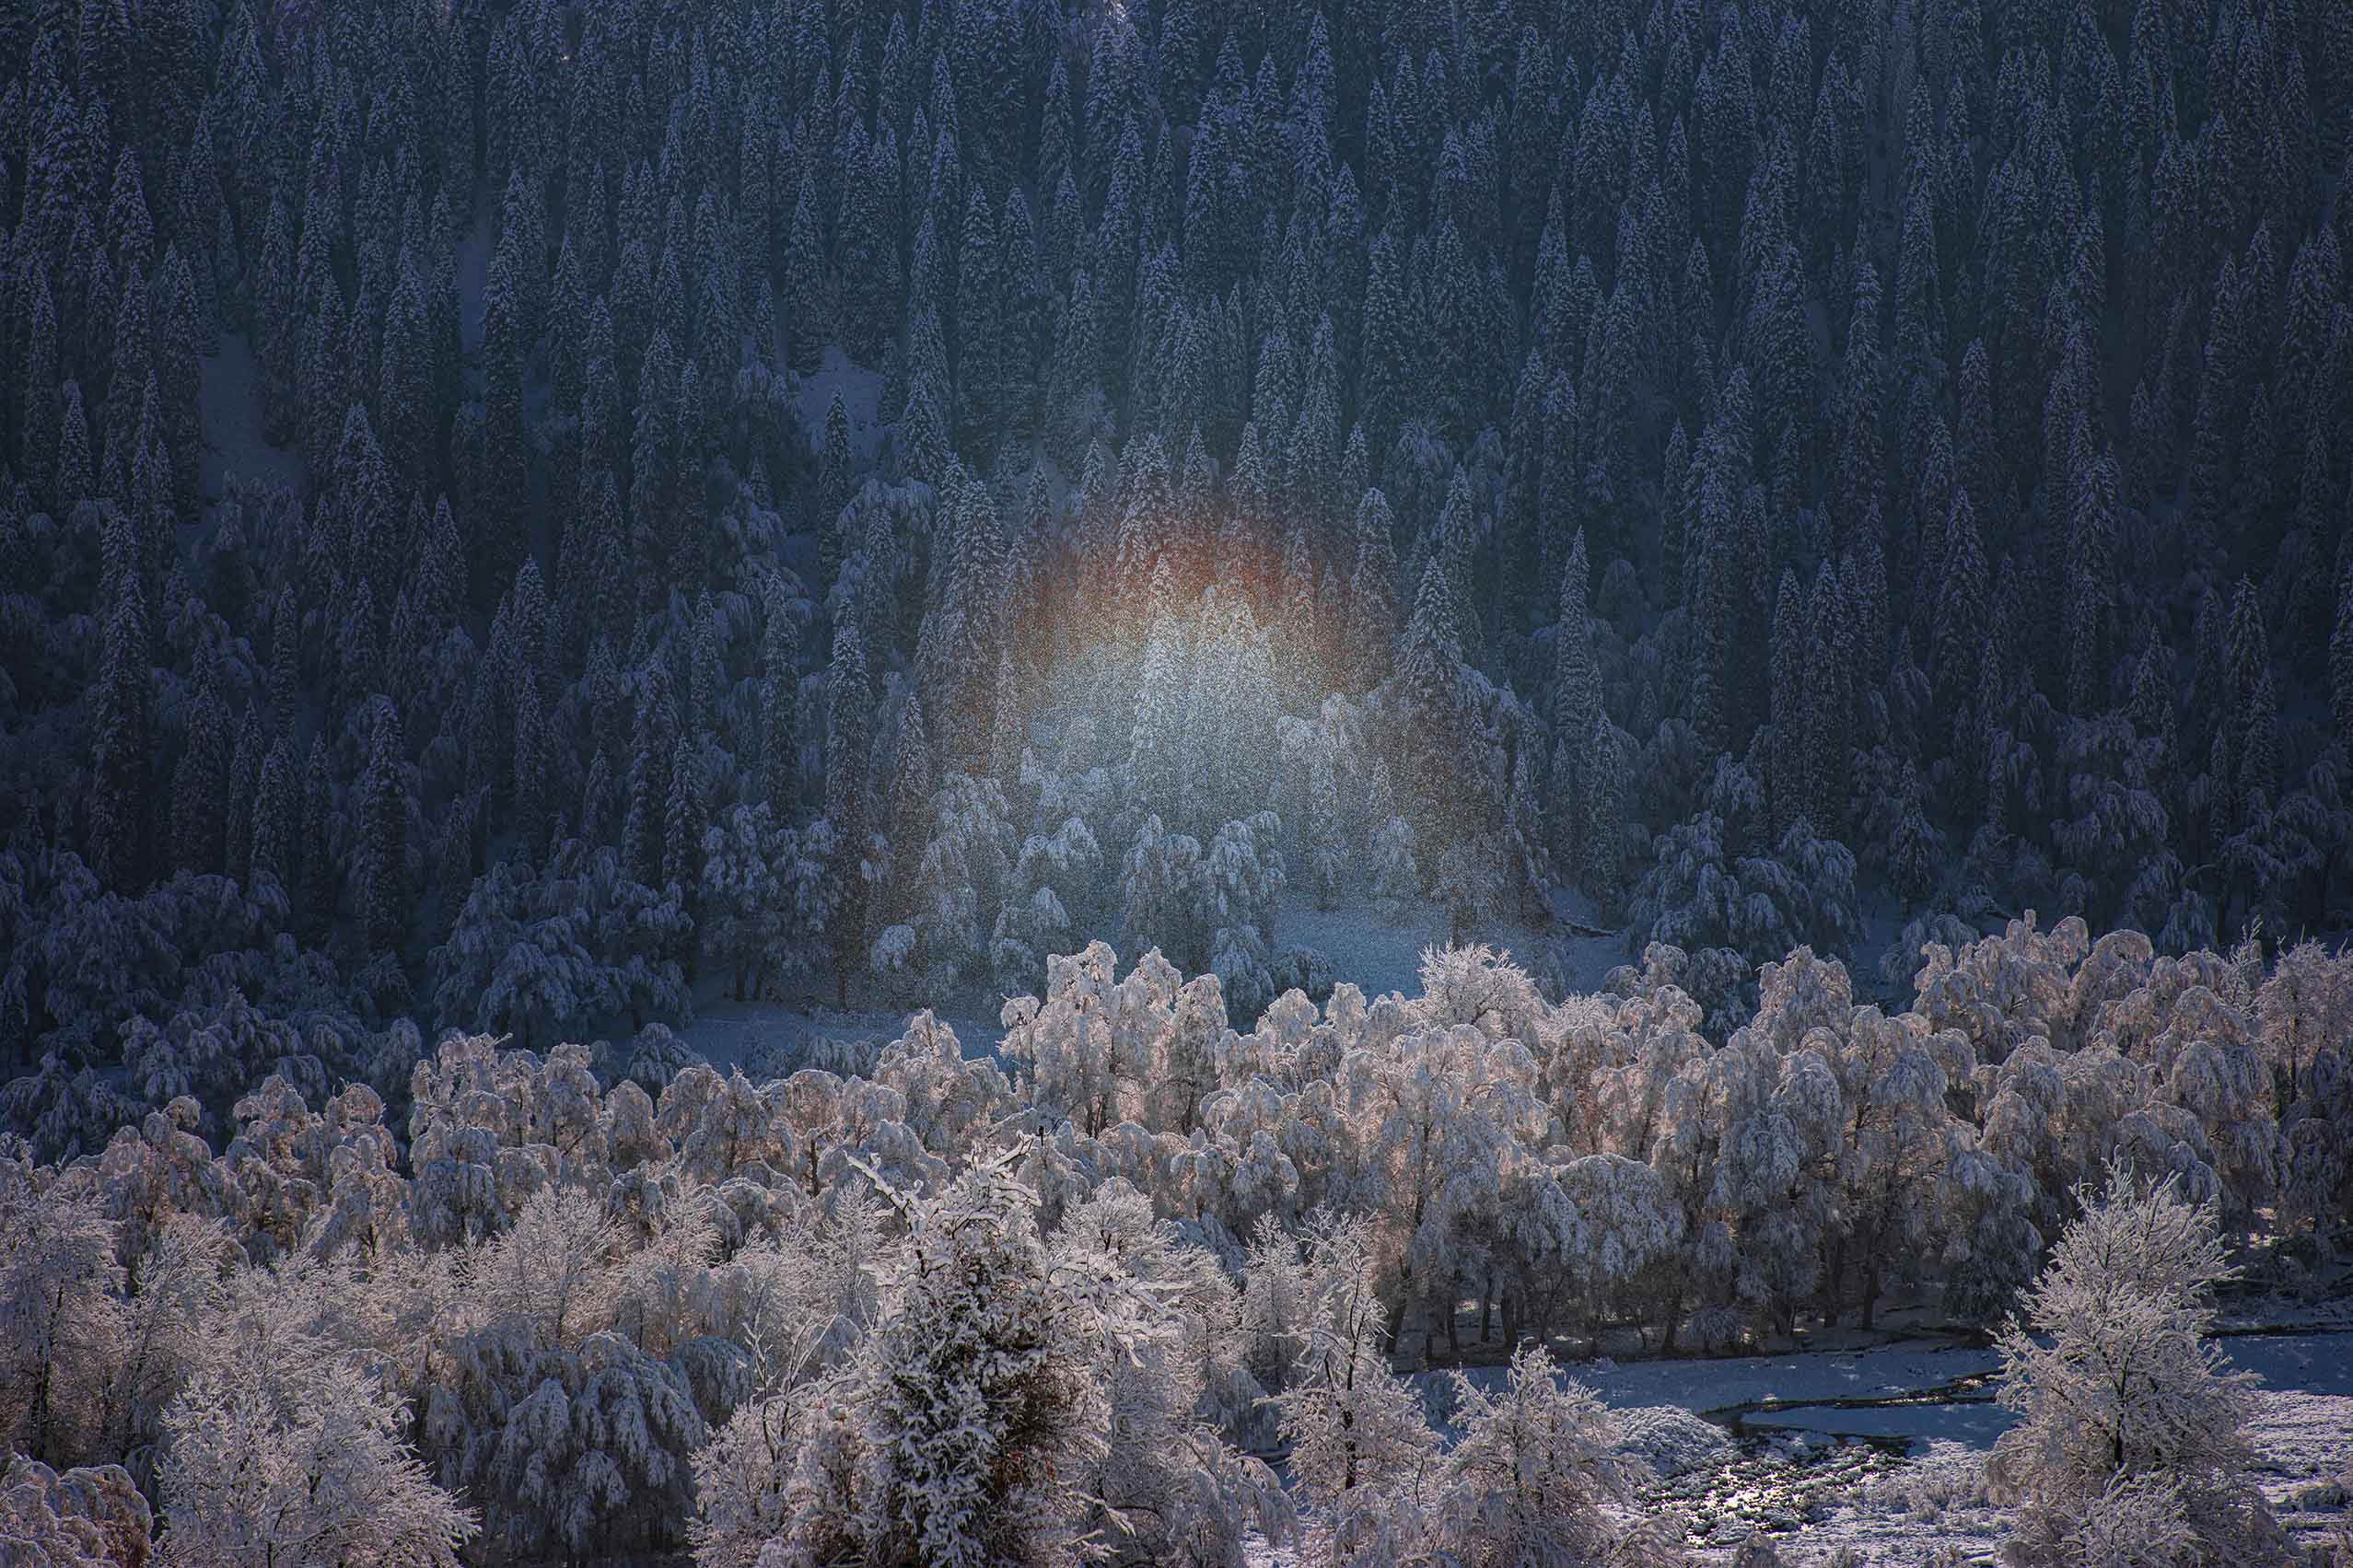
[{"x": 1716, "y": 470}]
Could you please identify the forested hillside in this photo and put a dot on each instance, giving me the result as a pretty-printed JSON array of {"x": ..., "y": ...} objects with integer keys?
[{"x": 1727, "y": 469}]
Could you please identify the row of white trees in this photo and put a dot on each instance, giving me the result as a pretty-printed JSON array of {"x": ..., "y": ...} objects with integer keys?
[{"x": 985, "y": 1308}]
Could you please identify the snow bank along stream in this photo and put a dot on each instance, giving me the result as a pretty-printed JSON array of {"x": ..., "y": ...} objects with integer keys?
[{"x": 1878, "y": 1448}]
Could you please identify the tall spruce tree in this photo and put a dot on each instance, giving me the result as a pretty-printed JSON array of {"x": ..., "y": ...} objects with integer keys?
[
  {"x": 121, "y": 714},
  {"x": 381, "y": 853},
  {"x": 849, "y": 746}
]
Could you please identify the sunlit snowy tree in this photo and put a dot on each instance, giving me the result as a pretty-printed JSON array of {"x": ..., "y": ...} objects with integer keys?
[{"x": 2118, "y": 1387}]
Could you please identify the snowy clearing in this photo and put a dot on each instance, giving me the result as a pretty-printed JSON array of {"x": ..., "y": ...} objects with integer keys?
[
  {"x": 861, "y": 393},
  {"x": 1380, "y": 956},
  {"x": 232, "y": 407}
]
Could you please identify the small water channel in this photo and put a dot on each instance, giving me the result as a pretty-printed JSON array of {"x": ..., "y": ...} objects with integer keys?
[{"x": 1793, "y": 1461}]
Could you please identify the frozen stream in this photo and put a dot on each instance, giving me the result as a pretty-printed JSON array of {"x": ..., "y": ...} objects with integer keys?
[{"x": 1879, "y": 1447}]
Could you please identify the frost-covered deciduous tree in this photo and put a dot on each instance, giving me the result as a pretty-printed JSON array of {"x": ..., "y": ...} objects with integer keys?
[
  {"x": 2304, "y": 1016},
  {"x": 1627, "y": 1225},
  {"x": 2001, "y": 992},
  {"x": 556, "y": 1271},
  {"x": 289, "y": 1442},
  {"x": 1896, "y": 1130},
  {"x": 61, "y": 1313},
  {"x": 1157, "y": 1318},
  {"x": 1068, "y": 1044},
  {"x": 1533, "y": 1475},
  {"x": 257, "y": 1472},
  {"x": 1442, "y": 1115},
  {"x": 1360, "y": 1446},
  {"x": 1101, "y": 1049},
  {"x": 91, "y": 1518},
  {"x": 797, "y": 1302},
  {"x": 1472, "y": 983},
  {"x": 1991, "y": 1246},
  {"x": 2116, "y": 1385}
]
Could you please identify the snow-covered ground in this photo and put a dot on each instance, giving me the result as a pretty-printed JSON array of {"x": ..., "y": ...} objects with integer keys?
[
  {"x": 232, "y": 409},
  {"x": 1716, "y": 1386},
  {"x": 1898, "y": 1481},
  {"x": 742, "y": 1034},
  {"x": 1378, "y": 955},
  {"x": 473, "y": 278},
  {"x": 1825, "y": 1473},
  {"x": 1381, "y": 955},
  {"x": 861, "y": 391}
]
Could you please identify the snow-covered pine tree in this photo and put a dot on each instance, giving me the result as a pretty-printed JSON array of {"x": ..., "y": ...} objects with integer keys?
[
  {"x": 1913, "y": 849},
  {"x": 1373, "y": 590},
  {"x": 975, "y": 1415},
  {"x": 1603, "y": 866},
  {"x": 848, "y": 752},
  {"x": 1435, "y": 729},
  {"x": 1576, "y": 703},
  {"x": 199, "y": 811},
  {"x": 122, "y": 713},
  {"x": 960, "y": 885},
  {"x": 832, "y": 491},
  {"x": 2340, "y": 657},
  {"x": 381, "y": 856}
]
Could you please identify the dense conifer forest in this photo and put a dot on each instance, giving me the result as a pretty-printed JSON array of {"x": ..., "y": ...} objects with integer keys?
[{"x": 1826, "y": 525}]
